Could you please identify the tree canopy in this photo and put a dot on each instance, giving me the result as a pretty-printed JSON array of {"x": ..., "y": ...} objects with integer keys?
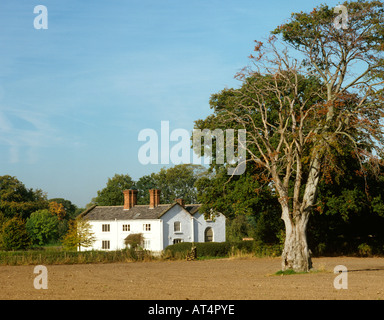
[
  {"x": 17, "y": 200},
  {"x": 175, "y": 182},
  {"x": 302, "y": 116}
]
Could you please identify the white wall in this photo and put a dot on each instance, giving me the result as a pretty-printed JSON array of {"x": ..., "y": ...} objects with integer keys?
[
  {"x": 177, "y": 213},
  {"x": 116, "y": 235},
  {"x": 192, "y": 230},
  {"x": 217, "y": 224}
]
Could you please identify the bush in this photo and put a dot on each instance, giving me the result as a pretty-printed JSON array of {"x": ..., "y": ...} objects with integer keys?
[
  {"x": 365, "y": 250},
  {"x": 134, "y": 240},
  {"x": 14, "y": 235},
  {"x": 221, "y": 249}
]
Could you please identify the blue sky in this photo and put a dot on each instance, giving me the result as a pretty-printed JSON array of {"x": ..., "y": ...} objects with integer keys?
[{"x": 74, "y": 97}]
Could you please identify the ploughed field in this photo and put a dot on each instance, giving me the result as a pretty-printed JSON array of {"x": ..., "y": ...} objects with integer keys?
[{"x": 219, "y": 279}]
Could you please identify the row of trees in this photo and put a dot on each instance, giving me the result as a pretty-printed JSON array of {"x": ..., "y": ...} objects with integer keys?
[
  {"x": 346, "y": 216},
  {"x": 175, "y": 182},
  {"x": 28, "y": 217}
]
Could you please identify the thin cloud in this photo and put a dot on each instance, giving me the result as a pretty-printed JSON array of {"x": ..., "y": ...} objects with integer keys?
[{"x": 24, "y": 132}]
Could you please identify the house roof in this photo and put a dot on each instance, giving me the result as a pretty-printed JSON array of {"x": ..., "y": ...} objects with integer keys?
[{"x": 136, "y": 212}]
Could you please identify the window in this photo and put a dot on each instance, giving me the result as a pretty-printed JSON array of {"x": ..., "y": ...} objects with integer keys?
[
  {"x": 177, "y": 241},
  {"x": 105, "y": 228},
  {"x": 147, "y": 244},
  {"x": 208, "y": 235},
  {"x": 177, "y": 226},
  {"x": 146, "y": 227},
  {"x": 105, "y": 244},
  {"x": 126, "y": 227}
]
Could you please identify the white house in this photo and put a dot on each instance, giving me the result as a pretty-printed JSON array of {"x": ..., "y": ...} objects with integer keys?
[{"x": 160, "y": 224}]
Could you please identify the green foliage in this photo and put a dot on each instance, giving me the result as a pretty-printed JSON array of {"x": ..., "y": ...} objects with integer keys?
[
  {"x": 178, "y": 182},
  {"x": 365, "y": 250},
  {"x": 239, "y": 227},
  {"x": 134, "y": 240},
  {"x": 17, "y": 200},
  {"x": 175, "y": 182},
  {"x": 79, "y": 235},
  {"x": 287, "y": 272},
  {"x": 234, "y": 196},
  {"x": 42, "y": 227},
  {"x": 71, "y": 210},
  {"x": 49, "y": 257},
  {"x": 348, "y": 213},
  {"x": 13, "y": 235},
  {"x": 112, "y": 194},
  {"x": 221, "y": 249}
]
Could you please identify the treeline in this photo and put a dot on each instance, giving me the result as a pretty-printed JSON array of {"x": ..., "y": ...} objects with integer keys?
[
  {"x": 175, "y": 182},
  {"x": 348, "y": 217},
  {"x": 28, "y": 218}
]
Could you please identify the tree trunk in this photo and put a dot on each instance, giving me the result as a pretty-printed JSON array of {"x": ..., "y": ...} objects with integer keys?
[{"x": 296, "y": 255}]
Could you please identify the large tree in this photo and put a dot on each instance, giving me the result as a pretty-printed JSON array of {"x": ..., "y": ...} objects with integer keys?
[
  {"x": 300, "y": 115},
  {"x": 178, "y": 182},
  {"x": 17, "y": 200},
  {"x": 42, "y": 227},
  {"x": 112, "y": 193},
  {"x": 174, "y": 182}
]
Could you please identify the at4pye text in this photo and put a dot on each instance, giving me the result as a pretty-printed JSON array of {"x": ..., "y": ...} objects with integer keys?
[{"x": 213, "y": 309}]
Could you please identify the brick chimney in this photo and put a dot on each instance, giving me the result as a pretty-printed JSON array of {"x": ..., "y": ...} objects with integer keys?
[
  {"x": 130, "y": 199},
  {"x": 154, "y": 198},
  {"x": 181, "y": 202}
]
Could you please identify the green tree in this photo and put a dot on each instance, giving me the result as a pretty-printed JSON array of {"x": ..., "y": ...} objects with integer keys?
[
  {"x": 348, "y": 213},
  {"x": 112, "y": 194},
  {"x": 251, "y": 208},
  {"x": 79, "y": 235},
  {"x": 71, "y": 210},
  {"x": 17, "y": 200},
  {"x": 14, "y": 235},
  {"x": 300, "y": 116},
  {"x": 178, "y": 182},
  {"x": 175, "y": 182},
  {"x": 42, "y": 227},
  {"x": 143, "y": 185}
]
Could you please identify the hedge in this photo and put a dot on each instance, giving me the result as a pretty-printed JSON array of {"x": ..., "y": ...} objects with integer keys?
[
  {"x": 222, "y": 249},
  {"x": 34, "y": 257}
]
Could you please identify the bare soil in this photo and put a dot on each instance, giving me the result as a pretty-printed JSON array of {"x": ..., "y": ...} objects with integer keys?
[{"x": 222, "y": 279}]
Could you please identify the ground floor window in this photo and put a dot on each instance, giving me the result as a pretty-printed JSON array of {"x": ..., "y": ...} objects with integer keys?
[
  {"x": 208, "y": 235},
  {"x": 147, "y": 244},
  {"x": 177, "y": 241},
  {"x": 105, "y": 244}
]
